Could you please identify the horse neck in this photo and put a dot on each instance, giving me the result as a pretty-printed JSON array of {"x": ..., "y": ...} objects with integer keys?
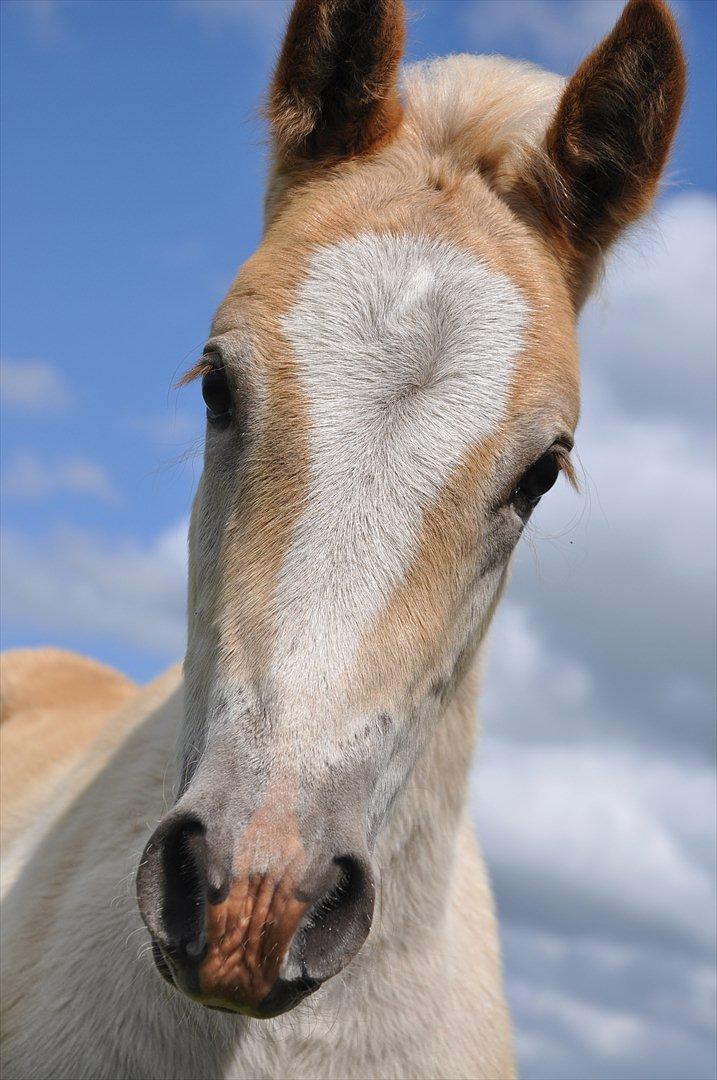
[{"x": 417, "y": 850}]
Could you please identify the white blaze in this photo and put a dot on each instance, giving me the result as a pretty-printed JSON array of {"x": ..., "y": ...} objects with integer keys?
[{"x": 404, "y": 349}]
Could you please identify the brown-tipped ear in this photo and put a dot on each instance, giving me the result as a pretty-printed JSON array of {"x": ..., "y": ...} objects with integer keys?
[
  {"x": 609, "y": 140},
  {"x": 334, "y": 90}
]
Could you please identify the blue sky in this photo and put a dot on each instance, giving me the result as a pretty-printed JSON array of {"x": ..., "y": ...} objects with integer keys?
[{"x": 133, "y": 162}]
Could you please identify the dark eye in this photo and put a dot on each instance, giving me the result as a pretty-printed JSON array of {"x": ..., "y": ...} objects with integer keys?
[
  {"x": 539, "y": 478},
  {"x": 217, "y": 397}
]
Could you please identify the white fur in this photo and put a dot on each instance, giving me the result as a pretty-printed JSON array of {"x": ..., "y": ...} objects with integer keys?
[
  {"x": 457, "y": 103},
  {"x": 405, "y": 348}
]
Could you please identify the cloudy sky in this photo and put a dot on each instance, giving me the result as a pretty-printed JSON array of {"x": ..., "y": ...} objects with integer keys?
[{"x": 133, "y": 162}]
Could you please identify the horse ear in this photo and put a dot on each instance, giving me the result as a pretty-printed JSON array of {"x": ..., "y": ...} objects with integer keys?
[
  {"x": 608, "y": 142},
  {"x": 334, "y": 92}
]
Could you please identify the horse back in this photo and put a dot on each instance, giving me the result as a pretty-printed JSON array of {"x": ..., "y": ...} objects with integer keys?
[{"x": 53, "y": 705}]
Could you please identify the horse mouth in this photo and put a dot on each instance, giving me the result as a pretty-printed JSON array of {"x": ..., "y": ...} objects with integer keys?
[{"x": 284, "y": 995}]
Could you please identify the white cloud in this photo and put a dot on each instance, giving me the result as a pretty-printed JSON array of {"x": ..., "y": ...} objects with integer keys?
[
  {"x": 526, "y": 694},
  {"x": 29, "y": 479},
  {"x": 168, "y": 429},
  {"x": 187, "y": 252},
  {"x": 592, "y": 835},
  {"x": 42, "y": 21},
  {"x": 563, "y": 31},
  {"x": 607, "y": 1032},
  {"x": 589, "y": 1008},
  {"x": 262, "y": 19},
  {"x": 72, "y": 581},
  {"x": 653, "y": 331},
  {"x": 33, "y": 386}
]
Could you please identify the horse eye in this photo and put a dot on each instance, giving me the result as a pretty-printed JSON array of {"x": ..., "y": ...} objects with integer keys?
[
  {"x": 217, "y": 397},
  {"x": 539, "y": 478}
]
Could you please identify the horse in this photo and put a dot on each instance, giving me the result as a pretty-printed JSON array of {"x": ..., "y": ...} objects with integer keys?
[{"x": 266, "y": 866}]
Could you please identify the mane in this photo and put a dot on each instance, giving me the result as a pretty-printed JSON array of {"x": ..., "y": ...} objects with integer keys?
[
  {"x": 461, "y": 113},
  {"x": 482, "y": 112}
]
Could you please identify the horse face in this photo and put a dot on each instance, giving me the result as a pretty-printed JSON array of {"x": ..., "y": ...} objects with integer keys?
[{"x": 391, "y": 386}]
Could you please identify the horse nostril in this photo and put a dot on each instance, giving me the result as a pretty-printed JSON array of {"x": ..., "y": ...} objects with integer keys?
[
  {"x": 172, "y": 886},
  {"x": 185, "y": 887},
  {"x": 338, "y": 923}
]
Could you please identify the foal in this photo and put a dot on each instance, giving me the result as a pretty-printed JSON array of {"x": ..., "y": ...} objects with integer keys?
[{"x": 391, "y": 386}]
